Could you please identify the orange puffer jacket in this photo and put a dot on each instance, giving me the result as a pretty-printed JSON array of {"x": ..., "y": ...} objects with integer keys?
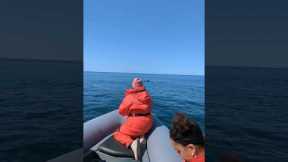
[{"x": 136, "y": 100}]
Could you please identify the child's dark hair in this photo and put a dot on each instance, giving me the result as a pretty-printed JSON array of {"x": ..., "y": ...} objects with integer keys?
[{"x": 185, "y": 131}]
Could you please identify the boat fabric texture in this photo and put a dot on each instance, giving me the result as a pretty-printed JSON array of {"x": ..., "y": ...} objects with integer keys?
[
  {"x": 113, "y": 148},
  {"x": 137, "y": 101}
]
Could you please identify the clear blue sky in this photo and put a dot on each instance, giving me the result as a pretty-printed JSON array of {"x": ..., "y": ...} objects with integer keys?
[{"x": 144, "y": 36}]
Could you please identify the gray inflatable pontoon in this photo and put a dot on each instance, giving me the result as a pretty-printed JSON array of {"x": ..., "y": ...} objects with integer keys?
[{"x": 99, "y": 144}]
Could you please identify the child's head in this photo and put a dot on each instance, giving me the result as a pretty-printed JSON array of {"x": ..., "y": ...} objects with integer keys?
[
  {"x": 186, "y": 137},
  {"x": 137, "y": 82}
]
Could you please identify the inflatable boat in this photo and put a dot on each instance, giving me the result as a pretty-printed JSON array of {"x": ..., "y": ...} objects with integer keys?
[{"x": 100, "y": 146}]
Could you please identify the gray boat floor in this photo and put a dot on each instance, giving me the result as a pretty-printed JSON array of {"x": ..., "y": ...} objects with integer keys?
[
  {"x": 77, "y": 156},
  {"x": 123, "y": 160}
]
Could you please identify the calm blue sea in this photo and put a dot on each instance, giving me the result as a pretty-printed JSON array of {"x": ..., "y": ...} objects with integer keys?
[
  {"x": 41, "y": 107},
  {"x": 246, "y": 113},
  {"x": 103, "y": 93}
]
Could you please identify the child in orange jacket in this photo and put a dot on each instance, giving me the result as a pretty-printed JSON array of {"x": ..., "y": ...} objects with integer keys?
[{"x": 136, "y": 105}]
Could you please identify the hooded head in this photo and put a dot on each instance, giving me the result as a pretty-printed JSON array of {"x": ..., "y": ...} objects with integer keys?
[{"x": 137, "y": 82}]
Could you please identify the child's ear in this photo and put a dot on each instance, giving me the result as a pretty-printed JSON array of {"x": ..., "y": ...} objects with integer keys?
[{"x": 191, "y": 147}]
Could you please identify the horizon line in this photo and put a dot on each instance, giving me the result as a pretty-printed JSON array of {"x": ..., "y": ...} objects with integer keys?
[
  {"x": 41, "y": 59},
  {"x": 141, "y": 73}
]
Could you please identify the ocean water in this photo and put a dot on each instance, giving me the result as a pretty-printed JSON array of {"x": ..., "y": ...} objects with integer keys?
[
  {"x": 40, "y": 109},
  {"x": 103, "y": 93},
  {"x": 246, "y": 113}
]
